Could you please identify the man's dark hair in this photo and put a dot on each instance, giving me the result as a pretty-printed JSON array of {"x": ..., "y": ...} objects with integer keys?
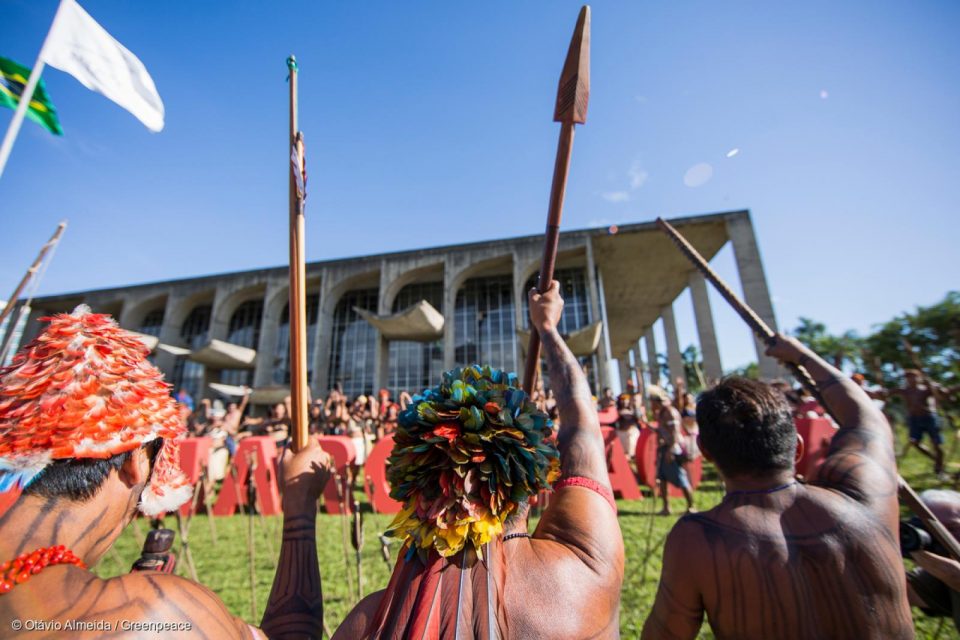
[
  {"x": 79, "y": 479},
  {"x": 747, "y": 427}
]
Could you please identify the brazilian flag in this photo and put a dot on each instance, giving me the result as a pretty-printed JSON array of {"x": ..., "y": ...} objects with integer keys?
[{"x": 13, "y": 78}]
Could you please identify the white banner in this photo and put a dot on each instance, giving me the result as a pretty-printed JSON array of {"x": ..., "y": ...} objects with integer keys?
[{"x": 84, "y": 49}]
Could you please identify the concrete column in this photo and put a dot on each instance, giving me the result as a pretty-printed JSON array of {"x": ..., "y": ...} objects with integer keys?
[
  {"x": 594, "y": 293},
  {"x": 623, "y": 366},
  {"x": 126, "y": 318},
  {"x": 448, "y": 307},
  {"x": 674, "y": 359},
  {"x": 267, "y": 361},
  {"x": 754, "y": 283},
  {"x": 173, "y": 316},
  {"x": 712, "y": 368},
  {"x": 638, "y": 362},
  {"x": 653, "y": 366},
  {"x": 381, "y": 356},
  {"x": 219, "y": 326},
  {"x": 324, "y": 338},
  {"x": 519, "y": 317}
]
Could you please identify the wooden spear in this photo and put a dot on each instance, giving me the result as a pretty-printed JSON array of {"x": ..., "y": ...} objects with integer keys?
[
  {"x": 907, "y": 494},
  {"x": 746, "y": 313},
  {"x": 357, "y": 539},
  {"x": 573, "y": 94},
  {"x": 299, "y": 392},
  {"x": 32, "y": 271}
]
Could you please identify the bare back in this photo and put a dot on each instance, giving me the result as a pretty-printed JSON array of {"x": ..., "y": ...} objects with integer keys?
[
  {"x": 70, "y": 602},
  {"x": 791, "y": 560},
  {"x": 803, "y": 562},
  {"x": 549, "y": 586}
]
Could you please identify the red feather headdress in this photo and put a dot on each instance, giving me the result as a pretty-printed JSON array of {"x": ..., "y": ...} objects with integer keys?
[{"x": 85, "y": 389}]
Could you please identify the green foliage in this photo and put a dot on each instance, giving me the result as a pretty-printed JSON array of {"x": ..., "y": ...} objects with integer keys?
[
  {"x": 933, "y": 332},
  {"x": 751, "y": 370},
  {"x": 841, "y": 350},
  {"x": 693, "y": 368}
]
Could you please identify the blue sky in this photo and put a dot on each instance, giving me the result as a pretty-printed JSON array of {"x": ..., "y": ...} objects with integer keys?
[{"x": 429, "y": 123}]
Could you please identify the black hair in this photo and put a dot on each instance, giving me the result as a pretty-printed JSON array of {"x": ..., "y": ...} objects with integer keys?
[
  {"x": 747, "y": 427},
  {"x": 79, "y": 479}
]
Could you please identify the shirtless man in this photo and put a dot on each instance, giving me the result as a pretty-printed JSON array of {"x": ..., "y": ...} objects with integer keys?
[
  {"x": 564, "y": 581},
  {"x": 670, "y": 440},
  {"x": 920, "y": 397},
  {"x": 83, "y": 502},
  {"x": 780, "y": 559}
]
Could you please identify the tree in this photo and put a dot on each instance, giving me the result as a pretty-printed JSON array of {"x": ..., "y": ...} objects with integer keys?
[
  {"x": 933, "y": 332},
  {"x": 843, "y": 349},
  {"x": 692, "y": 368},
  {"x": 751, "y": 370}
]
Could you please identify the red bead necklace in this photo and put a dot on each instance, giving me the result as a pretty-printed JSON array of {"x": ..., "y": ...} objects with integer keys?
[{"x": 19, "y": 570}]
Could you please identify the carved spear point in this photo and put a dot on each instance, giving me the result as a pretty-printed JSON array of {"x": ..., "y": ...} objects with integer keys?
[{"x": 573, "y": 92}]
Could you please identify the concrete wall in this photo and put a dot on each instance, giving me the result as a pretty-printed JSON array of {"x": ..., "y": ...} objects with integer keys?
[{"x": 519, "y": 258}]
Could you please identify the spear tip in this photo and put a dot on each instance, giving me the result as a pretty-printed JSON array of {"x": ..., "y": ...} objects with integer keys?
[{"x": 573, "y": 92}]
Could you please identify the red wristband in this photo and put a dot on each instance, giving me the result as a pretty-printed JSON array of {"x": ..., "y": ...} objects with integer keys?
[{"x": 588, "y": 483}]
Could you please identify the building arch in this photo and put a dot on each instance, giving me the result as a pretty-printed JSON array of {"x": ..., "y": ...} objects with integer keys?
[
  {"x": 428, "y": 273},
  {"x": 473, "y": 269},
  {"x": 134, "y": 315}
]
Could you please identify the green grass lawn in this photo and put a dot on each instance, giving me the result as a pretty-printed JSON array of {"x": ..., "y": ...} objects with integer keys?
[{"x": 223, "y": 565}]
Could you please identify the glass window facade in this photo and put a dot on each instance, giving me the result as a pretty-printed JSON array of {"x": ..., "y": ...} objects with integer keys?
[
  {"x": 152, "y": 323},
  {"x": 576, "y": 313},
  {"x": 194, "y": 332},
  {"x": 354, "y": 343},
  {"x": 414, "y": 366},
  {"x": 244, "y": 330},
  {"x": 484, "y": 325},
  {"x": 281, "y": 370}
]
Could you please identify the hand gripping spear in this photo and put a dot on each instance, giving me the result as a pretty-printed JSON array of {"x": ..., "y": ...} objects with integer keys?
[
  {"x": 573, "y": 94},
  {"x": 907, "y": 494}
]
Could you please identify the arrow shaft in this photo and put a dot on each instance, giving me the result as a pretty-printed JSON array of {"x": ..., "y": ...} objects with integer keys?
[{"x": 558, "y": 190}]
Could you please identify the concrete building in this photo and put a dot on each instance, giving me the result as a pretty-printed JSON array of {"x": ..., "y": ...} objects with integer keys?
[{"x": 397, "y": 320}]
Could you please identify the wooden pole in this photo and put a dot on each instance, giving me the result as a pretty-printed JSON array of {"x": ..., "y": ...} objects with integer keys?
[
  {"x": 251, "y": 542},
  {"x": 907, "y": 494},
  {"x": 357, "y": 540},
  {"x": 298, "y": 303},
  {"x": 571, "y": 109},
  {"x": 32, "y": 271},
  {"x": 746, "y": 313}
]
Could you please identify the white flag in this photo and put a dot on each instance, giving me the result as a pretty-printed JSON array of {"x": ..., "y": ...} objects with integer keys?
[{"x": 84, "y": 49}]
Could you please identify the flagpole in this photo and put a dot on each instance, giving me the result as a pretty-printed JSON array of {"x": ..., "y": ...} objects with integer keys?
[
  {"x": 25, "y": 99},
  {"x": 298, "y": 276}
]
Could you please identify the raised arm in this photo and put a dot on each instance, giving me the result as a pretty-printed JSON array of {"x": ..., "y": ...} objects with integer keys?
[
  {"x": 582, "y": 452},
  {"x": 861, "y": 461},
  {"x": 295, "y": 607},
  {"x": 578, "y": 517}
]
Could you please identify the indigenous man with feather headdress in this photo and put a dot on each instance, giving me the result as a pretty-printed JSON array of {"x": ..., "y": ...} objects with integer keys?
[
  {"x": 89, "y": 435},
  {"x": 469, "y": 456}
]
